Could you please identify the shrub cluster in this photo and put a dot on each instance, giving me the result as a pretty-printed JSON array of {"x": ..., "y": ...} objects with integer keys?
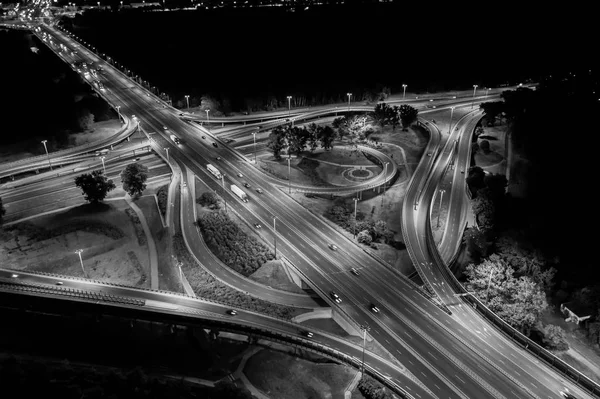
[
  {"x": 372, "y": 389},
  {"x": 368, "y": 231},
  {"x": 309, "y": 168},
  {"x": 231, "y": 245},
  {"x": 39, "y": 233},
  {"x": 139, "y": 230},
  {"x": 163, "y": 198},
  {"x": 207, "y": 287}
]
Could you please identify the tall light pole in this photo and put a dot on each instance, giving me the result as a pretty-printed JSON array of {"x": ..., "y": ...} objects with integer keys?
[
  {"x": 103, "y": 167},
  {"x": 289, "y": 98},
  {"x": 365, "y": 329},
  {"x": 403, "y": 91},
  {"x": 474, "y": 90},
  {"x": 487, "y": 89},
  {"x": 79, "y": 251},
  {"x": 47, "y": 156},
  {"x": 385, "y": 183},
  {"x": 289, "y": 175},
  {"x": 254, "y": 134},
  {"x": 275, "y": 235},
  {"x": 118, "y": 107},
  {"x": 440, "y": 208},
  {"x": 179, "y": 264},
  {"x": 207, "y": 118},
  {"x": 451, "y": 114},
  {"x": 167, "y": 150},
  {"x": 355, "y": 201},
  {"x": 187, "y": 99},
  {"x": 349, "y": 95}
]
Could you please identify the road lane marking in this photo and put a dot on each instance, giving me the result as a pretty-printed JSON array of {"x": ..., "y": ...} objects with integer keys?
[{"x": 461, "y": 380}]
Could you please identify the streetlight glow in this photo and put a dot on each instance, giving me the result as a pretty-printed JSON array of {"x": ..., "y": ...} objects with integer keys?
[
  {"x": 103, "y": 167},
  {"x": 78, "y": 252},
  {"x": 187, "y": 99},
  {"x": 167, "y": 150},
  {"x": 289, "y": 98},
  {"x": 404, "y": 91},
  {"x": 47, "y": 155},
  {"x": 349, "y": 95},
  {"x": 474, "y": 90}
]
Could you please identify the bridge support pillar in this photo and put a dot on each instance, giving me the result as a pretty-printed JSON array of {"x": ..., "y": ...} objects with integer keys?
[{"x": 293, "y": 274}]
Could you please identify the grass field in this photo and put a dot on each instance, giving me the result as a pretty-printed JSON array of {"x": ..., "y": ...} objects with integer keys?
[
  {"x": 107, "y": 236},
  {"x": 279, "y": 375}
]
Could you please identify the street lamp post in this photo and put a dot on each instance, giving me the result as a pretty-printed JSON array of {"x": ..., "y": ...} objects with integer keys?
[
  {"x": 207, "y": 118},
  {"x": 365, "y": 329},
  {"x": 118, "y": 107},
  {"x": 487, "y": 89},
  {"x": 385, "y": 183},
  {"x": 103, "y": 167},
  {"x": 179, "y": 264},
  {"x": 47, "y": 155},
  {"x": 167, "y": 150},
  {"x": 349, "y": 95},
  {"x": 275, "y": 235},
  {"x": 289, "y": 98},
  {"x": 451, "y": 114},
  {"x": 440, "y": 208},
  {"x": 79, "y": 251},
  {"x": 289, "y": 175},
  {"x": 403, "y": 91},
  {"x": 474, "y": 90},
  {"x": 187, "y": 99},
  {"x": 254, "y": 134},
  {"x": 355, "y": 202}
]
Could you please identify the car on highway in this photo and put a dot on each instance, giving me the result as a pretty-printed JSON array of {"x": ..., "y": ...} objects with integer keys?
[
  {"x": 59, "y": 283},
  {"x": 335, "y": 297},
  {"x": 165, "y": 128},
  {"x": 333, "y": 247},
  {"x": 374, "y": 308},
  {"x": 307, "y": 334},
  {"x": 257, "y": 225},
  {"x": 246, "y": 185},
  {"x": 218, "y": 158},
  {"x": 183, "y": 184},
  {"x": 181, "y": 114},
  {"x": 215, "y": 145},
  {"x": 258, "y": 190},
  {"x": 566, "y": 394},
  {"x": 231, "y": 312},
  {"x": 240, "y": 175},
  {"x": 355, "y": 271},
  {"x": 428, "y": 154},
  {"x": 203, "y": 137},
  {"x": 462, "y": 171}
]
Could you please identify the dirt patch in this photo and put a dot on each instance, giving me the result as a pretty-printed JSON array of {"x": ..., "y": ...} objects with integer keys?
[
  {"x": 272, "y": 274},
  {"x": 107, "y": 255},
  {"x": 279, "y": 375}
]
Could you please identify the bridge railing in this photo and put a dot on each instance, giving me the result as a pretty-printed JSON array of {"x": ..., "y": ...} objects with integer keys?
[
  {"x": 550, "y": 359},
  {"x": 222, "y": 324}
]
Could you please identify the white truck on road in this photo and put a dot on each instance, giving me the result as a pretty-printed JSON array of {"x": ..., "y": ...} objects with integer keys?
[
  {"x": 214, "y": 171},
  {"x": 239, "y": 192}
]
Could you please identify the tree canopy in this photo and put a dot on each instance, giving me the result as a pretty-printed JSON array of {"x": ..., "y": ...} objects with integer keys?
[
  {"x": 134, "y": 178},
  {"x": 94, "y": 186},
  {"x": 408, "y": 115},
  {"x": 517, "y": 300}
]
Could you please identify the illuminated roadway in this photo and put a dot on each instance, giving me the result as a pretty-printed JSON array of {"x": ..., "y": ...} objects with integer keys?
[
  {"x": 412, "y": 329},
  {"x": 449, "y": 368}
]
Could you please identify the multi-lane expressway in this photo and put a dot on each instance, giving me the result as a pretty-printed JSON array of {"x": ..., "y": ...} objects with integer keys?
[{"x": 436, "y": 347}]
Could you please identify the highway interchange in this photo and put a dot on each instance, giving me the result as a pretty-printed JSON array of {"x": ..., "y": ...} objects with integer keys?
[{"x": 457, "y": 355}]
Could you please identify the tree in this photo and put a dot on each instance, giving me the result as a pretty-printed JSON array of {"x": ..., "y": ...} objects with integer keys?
[
  {"x": 2, "y": 212},
  {"x": 85, "y": 119},
  {"x": 497, "y": 184},
  {"x": 95, "y": 186},
  {"x": 475, "y": 179},
  {"x": 209, "y": 199},
  {"x": 408, "y": 115},
  {"x": 312, "y": 133},
  {"x": 277, "y": 141},
  {"x": 381, "y": 114},
  {"x": 394, "y": 119},
  {"x": 297, "y": 138},
  {"x": 356, "y": 126},
  {"x": 484, "y": 209},
  {"x": 364, "y": 237},
  {"x": 554, "y": 338},
  {"x": 476, "y": 243},
  {"x": 134, "y": 178},
  {"x": 518, "y": 301},
  {"x": 210, "y": 103},
  {"x": 492, "y": 110},
  {"x": 326, "y": 137}
]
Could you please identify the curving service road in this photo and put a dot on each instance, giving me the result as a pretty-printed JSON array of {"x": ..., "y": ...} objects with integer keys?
[{"x": 454, "y": 355}]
